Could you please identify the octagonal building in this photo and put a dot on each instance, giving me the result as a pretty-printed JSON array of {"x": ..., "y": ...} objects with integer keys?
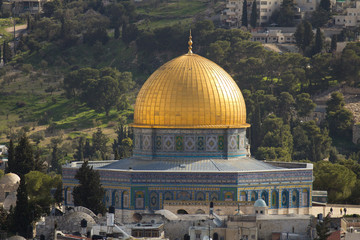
[{"x": 190, "y": 149}]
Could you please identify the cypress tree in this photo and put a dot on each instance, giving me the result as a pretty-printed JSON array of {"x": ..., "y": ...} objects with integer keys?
[
  {"x": 11, "y": 158},
  {"x": 79, "y": 155},
  {"x": 333, "y": 43},
  {"x": 22, "y": 215},
  {"x": 325, "y": 5},
  {"x": 7, "y": 55},
  {"x": 116, "y": 33},
  {"x": 89, "y": 193},
  {"x": 253, "y": 16},
  {"x": 308, "y": 34},
  {"x": 299, "y": 36},
  {"x": 55, "y": 165},
  {"x": 319, "y": 42},
  {"x": 24, "y": 157},
  {"x": 244, "y": 18}
]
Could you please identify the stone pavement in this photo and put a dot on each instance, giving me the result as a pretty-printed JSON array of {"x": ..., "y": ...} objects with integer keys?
[{"x": 351, "y": 209}]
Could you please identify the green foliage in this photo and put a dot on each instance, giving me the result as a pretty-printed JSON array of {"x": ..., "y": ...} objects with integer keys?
[
  {"x": 304, "y": 105},
  {"x": 284, "y": 17},
  {"x": 39, "y": 186},
  {"x": 7, "y": 53},
  {"x": 323, "y": 229},
  {"x": 89, "y": 193},
  {"x": 325, "y": 5},
  {"x": 333, "y": 45},
  {"x": 1, "y": 173},
  {"x": 22, "y": 219},
  {"x": 337, "y": 179},
  {"x": 304, "y": 35},
  {"x": 244, "y": 17},
  {"x": 277, "y": 143},
  {"x": 99, "y": 141},
  {"x": 24, "y": 160},
  {"x": 254, "y": 15},
  {"x": 339, "y": 119},
  {"x": 319, "y": 42},
  {"x": 310, "y": 142}
]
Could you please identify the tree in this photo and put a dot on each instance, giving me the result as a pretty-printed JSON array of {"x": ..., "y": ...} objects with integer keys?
[
  {"x": 325, "y": 5},
  {"x": 299, "y": 35},
  {"x": 22, "y": 219},
  {"x": 304, "y": 105},
  {"x": 39, "y": 186},
  {"x": 99, "y": 141},
  {"x": 285, "y": 106},
  {"x": 11, "y": 158},
  {"x": 7, "y": 53},
  {"x": 323, "y": 229},
  {"x": 286, "y": 14},
  {"x": 89, "y": 193},
  {"x": 333, "y": 44},
  {"x": 55, "y": 159},
  {"x": 24, "y": 157},
  {"x": 308, "y": 34},
  {"x": 338, "y": 180},
  {"x": 339, "y": 118},
  {"x": 102, "y": 94},
  {"x": 319, "y": 42},
  {"x": 253, "y": 16},
  {"x": 244, "y": 17},
  {"x": 79, "y": 154}
]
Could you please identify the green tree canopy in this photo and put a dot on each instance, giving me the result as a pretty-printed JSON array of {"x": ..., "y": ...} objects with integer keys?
[
  {"x": 338, "y": 180},
  {"x": 89, "y": 193}
]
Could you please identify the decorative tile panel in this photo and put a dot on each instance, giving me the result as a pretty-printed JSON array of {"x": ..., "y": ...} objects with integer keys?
[
  {"x": 137, "y": 141},
  {"x": 200, "y": 144},
  {"x": 221, "y": 143},
  {"x": 168, "y": 143},
  {"x": 179, "y": 143},
  {"x": 146, "y": 142},
  {"x": 232, "y": 143},
  {"x": 211, "y": 143},
  {"x": 158, "y": 142},
  {"x": 189, "y": 143}
]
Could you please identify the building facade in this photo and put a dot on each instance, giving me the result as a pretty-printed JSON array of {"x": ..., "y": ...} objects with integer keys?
[{"x": 190, "y": 148}]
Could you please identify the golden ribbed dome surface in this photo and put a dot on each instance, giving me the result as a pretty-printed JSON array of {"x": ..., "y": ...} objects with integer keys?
[{"x": 190, "y": 91}]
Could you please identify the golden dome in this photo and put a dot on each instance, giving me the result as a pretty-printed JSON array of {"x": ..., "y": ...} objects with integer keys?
[{"x": 190, "y": 92}]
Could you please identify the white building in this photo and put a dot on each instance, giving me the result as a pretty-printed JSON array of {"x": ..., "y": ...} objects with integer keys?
[
  {"x": 351, "y": 17},
  {"x": 233, "y": 13},
  {"x": 273, "y": 36}
]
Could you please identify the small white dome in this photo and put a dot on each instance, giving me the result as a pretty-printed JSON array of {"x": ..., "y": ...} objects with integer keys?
[
  {"x": 9, "y": 201},
  {"x": 10, "y": 179},
  {"x": 260, "y": 203}
]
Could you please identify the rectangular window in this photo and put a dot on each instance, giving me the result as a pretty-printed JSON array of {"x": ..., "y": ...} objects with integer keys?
[
  {"x": 264, "y": 17},
  {"x": 263, "y": 10},
  {"x": 263, "y": 2}
]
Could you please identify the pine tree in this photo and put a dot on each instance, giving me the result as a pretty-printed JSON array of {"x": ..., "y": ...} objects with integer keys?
[
  {"x": 89, "y": 193},
  {"x": 11, "y": 158},
  {"x": 308, "y": 34},
  {"x": 24, "y": 157},
  {"x": 55, "y": 164},
  {"x": 7, "y": 55},
  {"x": 244, "y": 18},
  {"x": 22, "y": 215},
  {"x": 87, "y": 150},
  {"x": 79, "y": 155},
  {"x": 253, "y": 16},
  {"x": 319, "y": 42},
  {"x": 325, "y": 5},
  {"x": 333, "y": 43}
]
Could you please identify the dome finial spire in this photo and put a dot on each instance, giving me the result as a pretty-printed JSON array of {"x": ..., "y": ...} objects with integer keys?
[{"x": 190, "y": 43}]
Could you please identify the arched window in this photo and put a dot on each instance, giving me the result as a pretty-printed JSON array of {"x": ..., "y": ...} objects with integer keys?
[
  {"x": 154, "y": 200},
  {"x": 214, "y": 197},
  {"x": 243, "y": 196},
  {"x": 254, "y": 196},
  {"x": 200, "y": 196},
  {"x": 182, "y": 211},
  {"x": 184, "y": 196},
  {"x": 228, "y": 196},
  {"x": 274, "y": 199},
  {"x": 215, "y": 236},
  {"x": 305, "y": 198},
  {"x": 200, "y": 211},
  {"x": 139, "y": 200},
  {"x": 125, "y": 199},
  {"x": 295, "y": 198},
  {"x": 265, "y": 197},
  {"x": 168, "y": 196},
  {"x": 285, "y": 199}
]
